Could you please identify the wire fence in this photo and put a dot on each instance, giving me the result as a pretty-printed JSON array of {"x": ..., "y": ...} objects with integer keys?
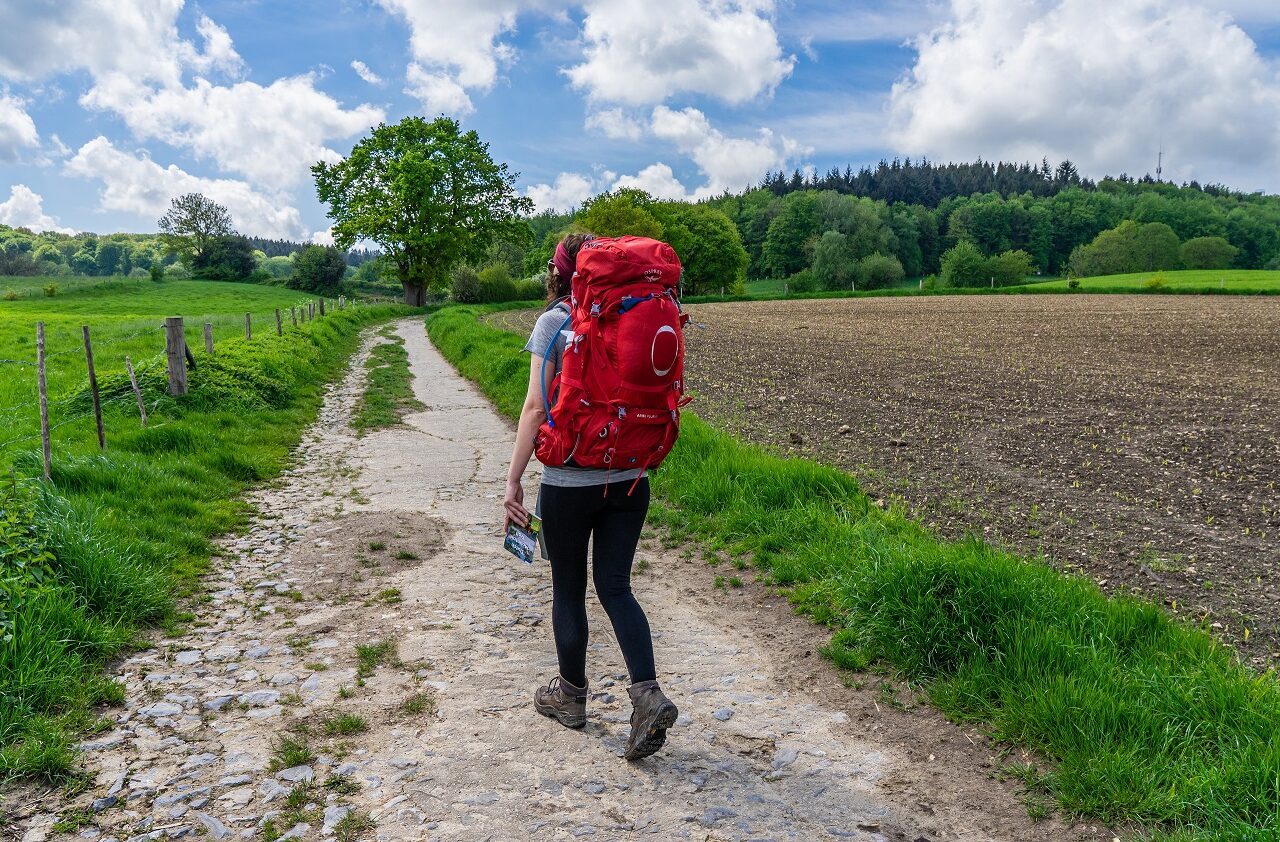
[{"x": 39, "y": 416}]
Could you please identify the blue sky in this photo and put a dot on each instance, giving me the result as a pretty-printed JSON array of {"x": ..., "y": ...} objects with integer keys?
[{"x": 107, "y": 111}]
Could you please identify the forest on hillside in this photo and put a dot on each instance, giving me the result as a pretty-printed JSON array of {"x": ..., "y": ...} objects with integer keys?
[
  {"x": 27, "y": 252},
  {"x": 968, "y": 223}
]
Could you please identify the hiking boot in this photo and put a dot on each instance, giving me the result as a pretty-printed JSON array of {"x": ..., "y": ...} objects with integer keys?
[
  {"x": 651, "y": 716},
  {"x": 561, "y": 700}
]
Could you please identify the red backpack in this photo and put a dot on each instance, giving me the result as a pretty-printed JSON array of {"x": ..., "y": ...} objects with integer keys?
[{"x": 621, "y": 385}]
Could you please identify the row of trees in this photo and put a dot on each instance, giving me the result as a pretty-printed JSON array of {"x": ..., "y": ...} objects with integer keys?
[
  {"x": 926, "y": 183},
  {"x": 782, "y": 233},
  {"x": 439, "y": 209},
  {"x": 1148, "y": 246},
  {"x": 871, "y": 229},
  {"x": 23, "y": 252}
]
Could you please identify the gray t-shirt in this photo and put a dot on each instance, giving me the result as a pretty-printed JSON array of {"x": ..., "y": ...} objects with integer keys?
[{"x": 548, "y": 340}]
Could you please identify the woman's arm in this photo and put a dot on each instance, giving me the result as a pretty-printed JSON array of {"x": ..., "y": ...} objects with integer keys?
[{"x": 532, "y": 414}]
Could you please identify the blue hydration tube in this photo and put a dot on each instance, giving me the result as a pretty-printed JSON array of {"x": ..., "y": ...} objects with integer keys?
[{"x": 546, "y": 403}]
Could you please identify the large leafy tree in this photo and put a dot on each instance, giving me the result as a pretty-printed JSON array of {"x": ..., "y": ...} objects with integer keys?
[
  {"x": 319, "y": 269},
  {"x": 1208, "y": 253},
  {"x": 709, "y": 247},
  {"x": 192, "y": 225},
  {"x": 427, "y": 193},
  {"x": 229, "y": 258},
  {"x": 622, "y": 212}
]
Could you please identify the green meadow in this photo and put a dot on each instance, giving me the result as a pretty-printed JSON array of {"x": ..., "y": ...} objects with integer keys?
[
  {"x": 1185, "y": 281},
  {"x": 125, "y": 318},
  {"x": 1145, "y": 720},
  {"x": 114, "y": 542},
  {"x": 1207, "y": 281}
]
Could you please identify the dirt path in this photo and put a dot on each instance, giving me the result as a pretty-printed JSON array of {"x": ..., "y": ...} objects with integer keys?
[{"x": 395, "y": 538}]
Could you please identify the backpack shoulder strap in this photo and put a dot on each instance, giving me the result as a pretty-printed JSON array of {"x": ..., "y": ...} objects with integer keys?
[{"x": 562, "y": 303}]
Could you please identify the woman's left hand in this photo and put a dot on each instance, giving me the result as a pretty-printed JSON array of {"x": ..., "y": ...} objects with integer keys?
[{"x": 513, "y": 502}]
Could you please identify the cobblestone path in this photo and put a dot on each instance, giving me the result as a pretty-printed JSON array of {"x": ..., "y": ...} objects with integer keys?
[{"x": 362, "y": 662}]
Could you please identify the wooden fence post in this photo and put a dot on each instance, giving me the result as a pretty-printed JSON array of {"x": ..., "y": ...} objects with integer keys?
[
  {"x": 248, "y": 327},
  {"x": 93, "y": 389},
  {"x": 44, "y": 400},
  {"x": 208, "y": 338},
  {"x": 342, "y": 302},
  {"x": 175, "y": 345},
  {"x": 293, "y": 316},
  {"x": 279, "y": 324},
  {"x": 322, "y": 306},
  {"x": 137, "y": 393}
]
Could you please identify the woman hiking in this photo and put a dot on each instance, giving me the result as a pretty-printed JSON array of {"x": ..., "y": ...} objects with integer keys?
[{"x": 604, "y": 507}]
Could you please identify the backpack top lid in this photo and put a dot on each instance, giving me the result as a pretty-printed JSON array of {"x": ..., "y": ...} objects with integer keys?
[{"x": 613, "y": 261}]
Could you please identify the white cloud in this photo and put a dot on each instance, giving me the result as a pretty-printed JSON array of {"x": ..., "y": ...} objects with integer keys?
[
  {"x": 644, "y": 53},
  {"x": 457, "y": 46},
  {"x": 25, "y": 209},
  {"x": 141, "y": 186},
  {"x": 657, "y": 180},
  {"x": 270, "y": 134},
  {"x": 1105, "y": 84},
  {"x": 17, "y": 129},
  {"x": 726, "y": 163},
  {"x": 219, "y": 52},
  {"x": 134, "y": 38},
  {"x": 323, "y": 238},
  {"x": 438, "y": 92},
  {"x": 137, "y": 60},
  {"x": 615, "y": 123},
  {"x": 638, "y": 54},
  {"x": 729, "y": 163},
  {"x": 569, "y": 191},
  {"x": 364, "y": 72}
]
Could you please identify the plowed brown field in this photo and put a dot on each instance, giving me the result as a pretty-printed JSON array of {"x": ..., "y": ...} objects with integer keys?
[{"x": 1132, "y": 439}]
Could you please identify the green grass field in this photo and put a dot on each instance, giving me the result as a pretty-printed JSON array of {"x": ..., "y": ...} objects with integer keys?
[
  {"x": 108, "y": 546},
  {"x": 1145, "y": 719},
  {"x": 125, "y": 318},
  {"x": 1185, "y": 281},
  {"x": 1189, "y": 281}
]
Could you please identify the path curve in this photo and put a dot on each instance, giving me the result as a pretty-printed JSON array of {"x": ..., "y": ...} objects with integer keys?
[{"x": 396, "y": 537}]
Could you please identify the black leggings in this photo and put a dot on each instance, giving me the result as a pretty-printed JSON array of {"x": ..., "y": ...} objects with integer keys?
[{"x": 570, "y": 517}]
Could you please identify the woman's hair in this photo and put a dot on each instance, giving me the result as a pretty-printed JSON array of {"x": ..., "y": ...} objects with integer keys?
[{"x": 558, "y": 286}]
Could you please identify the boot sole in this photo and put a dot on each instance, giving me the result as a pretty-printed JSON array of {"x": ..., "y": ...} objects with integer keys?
[
  {"x": 568, "y": 720},
  {"x": 655, "y": 735}
]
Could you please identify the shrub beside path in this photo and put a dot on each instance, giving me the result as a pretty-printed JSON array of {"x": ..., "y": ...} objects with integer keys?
[{"x": 361, "y": 664}]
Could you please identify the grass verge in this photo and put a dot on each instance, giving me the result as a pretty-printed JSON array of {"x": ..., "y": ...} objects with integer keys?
[
  {"x": 389, "y": 392},
  {"x": 1149, "y": 721},
  {"x": 89, "y": 559}
]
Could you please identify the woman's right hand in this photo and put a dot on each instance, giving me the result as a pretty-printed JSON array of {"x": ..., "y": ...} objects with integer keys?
[{"x": 513, "y": 503}]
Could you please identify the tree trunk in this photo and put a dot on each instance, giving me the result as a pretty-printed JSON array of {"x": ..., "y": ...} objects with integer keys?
[{"x": 415, "y": 295}]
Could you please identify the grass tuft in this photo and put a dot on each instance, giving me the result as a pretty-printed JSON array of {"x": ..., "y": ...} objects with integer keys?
[
  {"x": 345, "y": 725},
  {"x": 423, "y": 703},
  {"x": 389, "y": 392},
  {"x": 289, "y": 751},
  {"x": 351, "y": 826},
  {"x": 370, "y": 656}
]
